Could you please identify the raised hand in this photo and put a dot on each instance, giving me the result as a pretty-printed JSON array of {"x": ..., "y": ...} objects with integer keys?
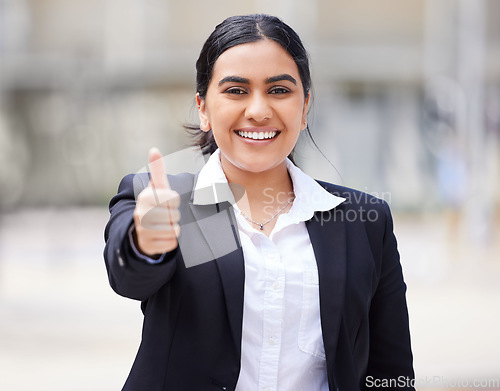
[{"x": 156, "y": 214}]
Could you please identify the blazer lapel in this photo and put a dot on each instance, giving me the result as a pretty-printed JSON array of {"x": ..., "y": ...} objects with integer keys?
[
  {"x": 219, "y": 233},
  {"x": 328, "y": 238}
]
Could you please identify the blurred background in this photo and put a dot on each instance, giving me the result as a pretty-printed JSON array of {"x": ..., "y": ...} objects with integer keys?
[{"x": 406, "y": 107}]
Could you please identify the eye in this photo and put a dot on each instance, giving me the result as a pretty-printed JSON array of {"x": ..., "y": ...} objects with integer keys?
[
  {"x": 279, "y": 90},
  {"x": 235, "y": 91}
]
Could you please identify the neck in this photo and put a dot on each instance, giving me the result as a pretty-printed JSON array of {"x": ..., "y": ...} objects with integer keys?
[
  {"x": 261, "y": 187},
  {"x": 267, "y": 194}
]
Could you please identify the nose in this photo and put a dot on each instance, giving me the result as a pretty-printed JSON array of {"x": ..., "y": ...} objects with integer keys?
[{"x": 258, "y": 108}]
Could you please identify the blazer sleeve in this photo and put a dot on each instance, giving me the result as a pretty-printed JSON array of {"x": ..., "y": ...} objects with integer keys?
[
  {"x": 390, "y": 362},
  {"x": 128, "y": 274}
]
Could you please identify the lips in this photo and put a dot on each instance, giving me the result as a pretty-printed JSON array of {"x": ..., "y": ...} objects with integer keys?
[{"x": 261, "y": 135}]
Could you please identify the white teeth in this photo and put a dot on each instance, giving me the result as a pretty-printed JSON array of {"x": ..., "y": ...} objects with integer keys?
[{"x": 258, "y": 135}]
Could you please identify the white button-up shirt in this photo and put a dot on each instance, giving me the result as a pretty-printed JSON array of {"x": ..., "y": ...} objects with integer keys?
[{"x": 282, "y": 345}]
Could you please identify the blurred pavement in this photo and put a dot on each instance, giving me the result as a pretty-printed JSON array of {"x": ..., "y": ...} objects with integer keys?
[{"x": 62, "y": 328}]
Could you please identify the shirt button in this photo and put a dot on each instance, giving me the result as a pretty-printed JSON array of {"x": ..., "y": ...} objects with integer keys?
[
  {"x": 272, "y": 257},
  {"x": 271, "y": 341},
  {"x": 276, "y": 286}
]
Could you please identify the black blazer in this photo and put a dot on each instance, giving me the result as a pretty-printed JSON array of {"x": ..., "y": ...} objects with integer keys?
[{"x": 191, "y": 336}]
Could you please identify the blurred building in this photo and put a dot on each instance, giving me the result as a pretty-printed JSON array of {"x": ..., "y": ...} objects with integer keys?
[{"x": 406, "y": 95}]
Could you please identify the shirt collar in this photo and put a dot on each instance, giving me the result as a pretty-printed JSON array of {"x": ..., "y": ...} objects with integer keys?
[
  {"x": 310, "y": 196},
  {"x": 212, "y": 187}
]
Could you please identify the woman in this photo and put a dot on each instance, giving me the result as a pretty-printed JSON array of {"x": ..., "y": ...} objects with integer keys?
[{"x": 252, "y": 275}]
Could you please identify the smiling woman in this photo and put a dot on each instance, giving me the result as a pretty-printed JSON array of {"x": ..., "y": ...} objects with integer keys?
[
  {"x": 236, "y": 31},
  {"x": 272, "y": 287}
]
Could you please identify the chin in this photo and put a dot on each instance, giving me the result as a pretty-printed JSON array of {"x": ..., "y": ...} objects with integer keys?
[{"x": 259, "y": 167}]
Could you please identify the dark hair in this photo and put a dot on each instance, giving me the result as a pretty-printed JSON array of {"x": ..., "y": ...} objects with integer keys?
[{"x": 237, "y": 30}]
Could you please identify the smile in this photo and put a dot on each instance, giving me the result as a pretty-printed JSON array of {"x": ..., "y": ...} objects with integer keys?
[{"x": 258, "y": 135}]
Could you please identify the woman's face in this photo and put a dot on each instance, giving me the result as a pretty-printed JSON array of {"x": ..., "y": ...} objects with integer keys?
[{"x": 255, "y": 106}]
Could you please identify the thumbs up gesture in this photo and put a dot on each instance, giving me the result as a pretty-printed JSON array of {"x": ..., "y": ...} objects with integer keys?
[{"x": 156, "y": 214}]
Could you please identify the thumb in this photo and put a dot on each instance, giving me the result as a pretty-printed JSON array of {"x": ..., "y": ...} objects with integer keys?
[{"x": 157, "y": 169}]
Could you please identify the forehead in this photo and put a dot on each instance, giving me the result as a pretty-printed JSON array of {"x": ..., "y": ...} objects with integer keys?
[{"x": 255, "y": 60}]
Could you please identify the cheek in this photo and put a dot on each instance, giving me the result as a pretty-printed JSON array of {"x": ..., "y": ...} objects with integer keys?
[
  {"x": 292, "y": 113},
  {"x": 223, "y": 114}
]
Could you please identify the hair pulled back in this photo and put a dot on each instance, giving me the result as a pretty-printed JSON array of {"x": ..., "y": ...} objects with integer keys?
[{"x": 237, "y": 30}]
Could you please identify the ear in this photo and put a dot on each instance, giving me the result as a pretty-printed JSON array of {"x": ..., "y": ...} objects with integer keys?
[
  {"x": 304, "y": 111},
  {"x": 202, "y": 113}
]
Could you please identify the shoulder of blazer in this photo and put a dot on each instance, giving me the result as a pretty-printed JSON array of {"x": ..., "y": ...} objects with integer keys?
[
  {"x": 353, "y": 197},
  {"x": 361, "y": 209}
]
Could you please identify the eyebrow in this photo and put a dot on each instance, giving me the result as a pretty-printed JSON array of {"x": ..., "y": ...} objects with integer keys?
[
  {"x": 284, "y": 76},
  {"x": 234, "y": 79},
  {"x": 243, "y": 80}
]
